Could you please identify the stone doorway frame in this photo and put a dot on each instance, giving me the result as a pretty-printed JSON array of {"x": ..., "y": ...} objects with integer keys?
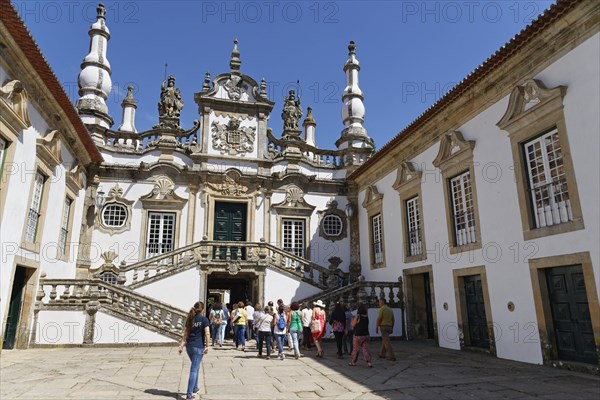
[
  {"x": 461, "y": 305},
  {"x": 543, "y": 311},
  {"x": 254, "y": 274},
  {"x": 409, "y": 274}
]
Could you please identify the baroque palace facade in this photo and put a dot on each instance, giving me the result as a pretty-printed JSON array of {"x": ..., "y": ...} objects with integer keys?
[{"x": 478, "y": 222}]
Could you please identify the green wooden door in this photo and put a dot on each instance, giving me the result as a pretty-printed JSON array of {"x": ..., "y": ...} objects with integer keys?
[
  {"x": 14, "y": 309},
  {"x": 230, "y": 226},
  {"x": 478, "y": 330},
  {"x": 571, "y": 314}
]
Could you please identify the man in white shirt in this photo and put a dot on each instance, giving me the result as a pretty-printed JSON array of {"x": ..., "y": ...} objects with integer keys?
[
  {"x": 250, "y": 320},
  {"x": 306, "y": 318}
]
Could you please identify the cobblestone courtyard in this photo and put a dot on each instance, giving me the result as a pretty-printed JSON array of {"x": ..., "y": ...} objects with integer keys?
[{"x": 421, "y": 372}]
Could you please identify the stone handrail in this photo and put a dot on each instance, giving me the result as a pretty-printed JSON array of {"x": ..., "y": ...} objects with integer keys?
[
  {"x": 131, "y": 142},
  {"x": 95, "y": 294},
  {"x": 363, "y": 292},
  {"x": 321, "y": 158},
  {"x": 219, "y": 253}
]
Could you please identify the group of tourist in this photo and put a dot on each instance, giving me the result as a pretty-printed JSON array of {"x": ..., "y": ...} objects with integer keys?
[{"x": 298, "y": 325}]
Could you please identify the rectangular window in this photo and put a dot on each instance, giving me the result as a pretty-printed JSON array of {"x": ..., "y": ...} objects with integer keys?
[
  {"x": 64, "y": 227},
  {"x": 3, "y": 145},
  {"x": 463, "y": 209},
  {"x": 413, "y": 225},
  {"x": 161, "y": 234},
  {"x": 548, "y": 191},
  {"x": 377, "y": 239},
  {"x": 34, "y": 209},
  {"x": 293, "y": 237}
]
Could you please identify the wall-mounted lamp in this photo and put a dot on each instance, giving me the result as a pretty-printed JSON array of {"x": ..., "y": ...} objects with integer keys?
[
  {"x": 99, "y": 198},
  {"x": 349, "y": 210}
]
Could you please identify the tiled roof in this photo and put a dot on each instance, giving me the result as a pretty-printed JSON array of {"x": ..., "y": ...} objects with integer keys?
[
  {"x": 546, "y": 19},
  {"x": 19, "y": 32}
]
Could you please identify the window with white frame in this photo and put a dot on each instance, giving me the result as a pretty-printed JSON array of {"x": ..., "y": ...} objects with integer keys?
[
  {"x": 332, "y": 225},
  {"x": 33, "y": 217},
  {"x": 463, "y": 209},
  {"x": 548, "y": 191},
  {"x": 64, "y": 226},
  {"x": 293, "y": 237},
  {"x": 161, "y": 233},
  {"x": 114, "y": 215},
  {"x": 413, "y": 225},
  {"x": 377, "y": 235}
]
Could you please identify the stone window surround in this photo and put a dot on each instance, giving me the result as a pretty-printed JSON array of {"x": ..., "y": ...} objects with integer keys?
[
  {"x": 524, "y": 125},
  {"x": 541, "y": 300},
  {"x": 408, "y": 275},
  {"x": 209, "y": 224},
  {"x": 461, "y": 304},
  {"x": 373, "y": 204},
  {"x": 408, "y": 186},
  {"x": 47, "y": 172},
  {"x": 451, "y": 164},
  {"x": 338, "y": 213},
  {"x": 9, "y": 153},
  {"x": 306, "y": 220},
  {"x": 115, "y": 196}
]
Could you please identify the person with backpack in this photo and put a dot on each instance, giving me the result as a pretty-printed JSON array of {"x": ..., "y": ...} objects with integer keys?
[
  {"x": 216, "y": 322},
  {"x": 295, "y": 327},
  {"x": 224, "y": 323},
  {"x": 280, "y": 329}
]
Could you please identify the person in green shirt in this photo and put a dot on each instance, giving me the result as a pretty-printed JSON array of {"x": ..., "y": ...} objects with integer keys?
[{"x": 385, "y": 321}]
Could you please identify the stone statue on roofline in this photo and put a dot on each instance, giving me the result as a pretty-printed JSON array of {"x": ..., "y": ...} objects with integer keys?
[
  {"x": 291, "y": 117},
  {"x": 170, "y": 105}
]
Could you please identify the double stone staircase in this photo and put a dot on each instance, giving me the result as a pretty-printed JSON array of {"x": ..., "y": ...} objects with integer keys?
[{"x": 113, "y": 290}]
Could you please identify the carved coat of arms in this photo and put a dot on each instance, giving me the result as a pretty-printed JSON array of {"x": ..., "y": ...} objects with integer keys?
[{"x": 232, "y": 139}]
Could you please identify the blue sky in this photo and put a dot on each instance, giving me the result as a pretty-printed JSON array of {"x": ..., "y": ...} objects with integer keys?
[{"x": 411, "y": 52}]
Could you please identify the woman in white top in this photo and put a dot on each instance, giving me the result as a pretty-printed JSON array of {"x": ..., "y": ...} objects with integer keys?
[
  {"x": 263, "y": 323},
  {"x": 280, "y": 329}
]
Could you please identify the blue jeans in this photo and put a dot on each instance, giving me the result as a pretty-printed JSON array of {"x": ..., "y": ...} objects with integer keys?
[
  {"x": 280, "y": 339},
  {"x": 295, "y": 338},
  {"x": 266, "y": 338},
  {"x": 240, "y": 335},
  {"x": 215, "y": 331},
  {"x": 195, "y": 354}
]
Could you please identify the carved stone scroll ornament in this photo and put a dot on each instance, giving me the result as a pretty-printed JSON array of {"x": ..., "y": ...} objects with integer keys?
[
  {"x": 233, "y": 87},
  {"x": 230, "y": 187},
  {"x": 233, "y": 267},
  {"x": 16, "y": 96},
  {"x": 232, "y": 139}
]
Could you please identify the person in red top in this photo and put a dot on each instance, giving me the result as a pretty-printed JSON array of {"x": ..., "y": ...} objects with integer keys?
[{"x": 317, "y": 325}]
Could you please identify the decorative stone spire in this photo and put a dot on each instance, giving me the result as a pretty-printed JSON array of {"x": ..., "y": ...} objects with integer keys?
[
  {"x": 309, "y": 125},
  {"x": 129, "y": 107},
  {"x": 354, "y": 138},
  {"x": 263, "y": 87},
  {"x": 353, "y": 108},
  {"x": 235, "y": 62},
  {"x": 206, "y": 84},
  {"x": 94, "y": 79}
]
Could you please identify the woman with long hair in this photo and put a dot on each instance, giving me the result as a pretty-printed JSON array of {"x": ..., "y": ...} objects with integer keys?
[
  {"x": 317, "y": 325},
  {"x": 338, "y": 326},
  {"x": 280, "y": 329},
  {"x": 362, "y": 339},
  {"x": 195, "y": 338},
  {"x": 295, "y": 327},
  {"x": 239, "y": 326}
]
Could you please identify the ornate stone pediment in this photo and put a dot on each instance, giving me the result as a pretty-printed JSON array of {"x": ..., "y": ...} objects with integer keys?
[
  {"x": 75, "y": 178},
  {"x": 233, "y": 139},
  {"x": 15, "y": 97},
  {"x": 407, "y": 174},
  {"x": 49, "y": 149},
  {"x": 451, "y": 145},
  {"x": 294, "y": 203},
  {"x": 372, "y": 197},
  {"x": 230, "y": 185},
  {"x": 116, "y": 199},
  {"x": 527, "y": 98},
  {"x": 163, "y": 195}
]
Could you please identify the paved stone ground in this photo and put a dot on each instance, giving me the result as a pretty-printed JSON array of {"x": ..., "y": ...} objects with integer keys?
[{"x": 421, "y": 372}]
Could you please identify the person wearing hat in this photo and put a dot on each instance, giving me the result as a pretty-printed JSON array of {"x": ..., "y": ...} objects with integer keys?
[{"x": 317, "y": 325}]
